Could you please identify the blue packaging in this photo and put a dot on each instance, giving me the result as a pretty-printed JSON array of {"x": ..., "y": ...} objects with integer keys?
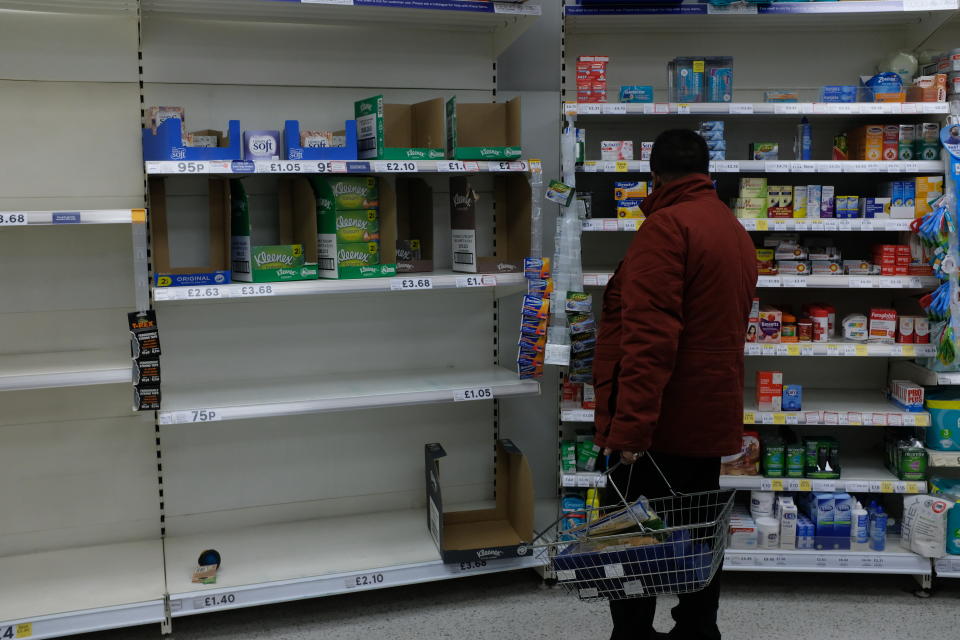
[
  {"x": 860, "y": 527},
  {"x": 717, "y": 145},
  {"x": 839, "y": 93},
  {"x": 843, "y": 504},
  {"x": 792, "y": 397},
  {"x": 804, "y": 142},
  {"x": 878, "y": 531},
  {"x": 909, "y": 193},
  {"x": 711, "y": 125},
  {"x": 943, "y": 434},
  {"x": 711, "y": 136},
  {"x": 821, "y": 511},
  {"x": 718, "y": 155},
  {"x": 685, "y": 76},
  {"x": 636, "y": 93},
  {"x": 720, "y": 85}
]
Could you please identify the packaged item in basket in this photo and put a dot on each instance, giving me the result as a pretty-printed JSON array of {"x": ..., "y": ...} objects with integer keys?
[
  {"x": 579, "y": 302},
  {"x": 625, "y": 520}
]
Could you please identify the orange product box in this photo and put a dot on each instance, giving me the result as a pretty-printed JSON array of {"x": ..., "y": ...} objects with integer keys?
[
  {"x": 900, "y": 96},
  {"x": 769, "y": 390},
  {"x": 883, "y": 325},
  {"x": 866, "y": 142},
  {"x": 928, "y": 89}
]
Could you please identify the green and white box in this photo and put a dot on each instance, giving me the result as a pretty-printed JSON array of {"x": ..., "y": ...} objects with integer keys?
[
  {"x": 399, "y": 131},
  {"x": 345, "y": 193},
  {"x": 483, "y": 131}
]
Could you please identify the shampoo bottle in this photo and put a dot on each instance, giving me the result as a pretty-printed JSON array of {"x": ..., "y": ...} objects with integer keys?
[{"x": 860, "y": 529}]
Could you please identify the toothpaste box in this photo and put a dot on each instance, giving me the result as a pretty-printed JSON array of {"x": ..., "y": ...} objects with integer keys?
[
  {"x": 628, "y": 190},
  {"x": 769, "y": 387},
  {"x": 842, "y": 512},
  {"x": 613, "y": 150}
]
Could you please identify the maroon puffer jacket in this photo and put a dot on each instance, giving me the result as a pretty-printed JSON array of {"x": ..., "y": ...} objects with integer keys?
[{"x": 668, "y": 370}]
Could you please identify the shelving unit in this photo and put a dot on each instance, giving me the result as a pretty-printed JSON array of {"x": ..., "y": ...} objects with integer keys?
[
  {"x": 778, "y": 166},
  {"x": 894, "y": 559},
  {"x": 600, "y": 279}
]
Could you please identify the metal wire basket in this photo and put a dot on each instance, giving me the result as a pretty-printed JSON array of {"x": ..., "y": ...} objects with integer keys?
[{"x": 676, "y": 551}]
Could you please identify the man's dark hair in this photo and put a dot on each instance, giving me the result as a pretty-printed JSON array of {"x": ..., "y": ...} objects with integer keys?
[{"x": 677, "y": 153}]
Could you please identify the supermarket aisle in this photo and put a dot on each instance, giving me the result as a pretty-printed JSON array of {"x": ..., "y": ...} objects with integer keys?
[{"x": 515, "y": 606}]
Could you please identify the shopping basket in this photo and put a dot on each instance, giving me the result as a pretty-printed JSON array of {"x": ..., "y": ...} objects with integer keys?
[{"x": 670, "y": 545}]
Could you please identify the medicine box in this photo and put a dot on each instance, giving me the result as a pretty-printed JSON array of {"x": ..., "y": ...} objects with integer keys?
[
  {"x": 866, "y": 143},
  {"x": 764, "y": 151},
  {"x": 780, "y": 201},
  {"x": 769, "y": 388},
  {"x": 630, "y": 208},
  {"x": 504, "y": 531},
  {"x": 628, "y": 190},
  {"x": 636, "y": 93}
]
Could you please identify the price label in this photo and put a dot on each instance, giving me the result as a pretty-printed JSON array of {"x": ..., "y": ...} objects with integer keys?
[
  {"x": 801, "y": 225},
  {"x": 866, "y": 224},
  {"x": 768, "y": 349},
  {"x": 843, "y": 107},
  {"x": 854, "y": 418},
  {"x": 557, "y": 354},
  {"x": 472, "y": 566},
  {"x": 452, "y": 166},
  {"x": 929, "y": 5},
  {"x": 12, "y": 219},
  {"x": 411, "y": 284},
  {"x": 860, "y": 167},
  {"x": 786, "y": 108},
  {"x": 807, "y": 350},
  {"x": 766, "y": 418},
  {"x": 875, "y": 167},
  {"x": 773, "y": 560},
  {"x": 749, "y": 224},
  {"x": 873, "y": 108},
  {"x": 749, "y": 417},
  {"x": 11, "y": 632},
  {"x": 762, "y": 225},
  {"x": 683, "y": 109},
  {"x": 878, "y": 419},
  {"x": 804, "y": 485},
  {"x": 768, "y": 281},
  {"x": 830, "y": 225},
  {"x": 863, "y": 282},
  {"x": 727, "y": 166},
  {"x": 621, "y": 166},
  {"x": 191, "y": 167},
  {"x": 887, "y": 487},
  {"x": 266, "y": 166},
  {"x": 795, "y": 282},
  {"x": 741, "y": 108},
  {"x": 782, "y": 350},
  {"x": 661, "y": 108},
  {"x": 893, "y": 167},
  {"x": 213, "y": 601},
  {"x": 615, "y": 109},
  {"x": 832, "y": 167},
  {"x": 200, "y": 293},
  {"x": 857, "y": 486},
  {"x": 916, "y": 283},
  {"x": 823, "y": 485},
  {"x": 811, "y": 417},
  {"x": 831, "y": 417},
  {"x": 253, "y": 290},
  {"x": 860, "y": 350},
  {"x": 894, "y": 419},
  {"x": 908, "y": 350},
  {"x": 848, "y": 349},
  {"x": 777, "y": 166},
  {"x": 498, "y": 166},
  {"x": 320, "y": 166},
  {"x": 392, "y": 166},
  {"x": 590, "y": 109},
  {"x": 779, "y": 418},
  {"x": 909, "y": 419},
  {"x": 473, "y": 393},
  {"x": 779, "y": 225},
  {"x": 833, "y": 350},
  {"x": 914, "y": 487},
  {"x": 808, "y": 167},
  {"x": 365, "y": 581},
  {"x": 771, "y": 484},
  {"x": 738, "y": 559},
  {"x": 476, "y": 281},
  {"x": 845, "y": 225},
  {"x": 630, "y": 224}
]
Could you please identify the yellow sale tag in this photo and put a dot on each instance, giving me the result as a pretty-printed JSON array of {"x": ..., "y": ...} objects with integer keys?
[
  {"x": 24, "y": 629},
  {"x": 909, "y": 350},
  {"x": 805, "y": 485},
  {"x": 923, "y": 420},
  {"x": 886, "y": 487},
  {"x": 793, "y": 349},
  {"x": 698, "y": 66},
  {"x": 621, "y": 166},
  {"x": 913, "y": 487},
  {"x": 138, "y": 216},
  {"x": 779, "y": 418},
  {"x": 861, "y": 349},
  {"x": 749, "y": 418},
  {"x": 776, "y": 484},
  {"x": 761, "y": 225}
]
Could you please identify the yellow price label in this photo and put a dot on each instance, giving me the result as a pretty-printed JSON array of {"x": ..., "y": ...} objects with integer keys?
[
  {"x": 805, "y": 485},
  {"x": 779, "y": 418},
  {"x": 886, "y": 487},
  {"x": 621, "y": 166},
  {"x": 860, "y": 349},
  {"x": 138, "y": 216},
  {"x": 923, "y": 420},
  {"x": 24, "y": 630},
  {"x": 909, "y": 350},
  {"x": 570, "y": 108},
  {"x": 749, "y": 417},
  {"x": 776, "y": 484},
  {"x": 164, "y": 281},
  {"x": 913, "y": 487},
  {"x": 698, "y": 66},
  {"x": 793, "y": 349},
  {"x": 761, "y": 225}
]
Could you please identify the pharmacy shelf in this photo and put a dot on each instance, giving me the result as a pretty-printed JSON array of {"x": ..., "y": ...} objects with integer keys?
[
  {"x": 81, "y": 590},
  {"x": 947, "y": 567},
  {"x": 842, "y": 349},
  {"x": 582, "y": 479},
  {"x": 770, "y": 224},
  {"x": 399, "y": 284},
  {"x": 943, "y": 459},
  {"x": 54, "y": 218},
  {"x": 858, "y": 476},
  {"x": 317, "y": 394},
  {"x": 105, "y": 7},
  {"x": 600, "y": 279},
  {"x": 894, "y": 559},
  {"x": 778, "y": 166},
  {"x": 247, "y": 167},
  {"x": 755, "y": 108},
  {"x": 62, "y": 369},
  {"x": 924, "y": 376},
  {"x": 828, "y": 407},
  {"x": 295, "y": 560}
]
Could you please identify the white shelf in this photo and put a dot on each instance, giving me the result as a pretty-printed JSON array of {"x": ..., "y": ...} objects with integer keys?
[
  {"x": 754, "y": 108},
  {"x": 9, "y": 219},
  {"x": 316, "y": 394},
  {"x": 770, "y": 224},
  {"x": 582, "y": 479},
  {"x": 105, "y": 7},
  {"x": 295, "y": 560},
  {"x": 947, "y": 567},
  {"x": 858, "y": 476},
  {"x": 778, "y": 166},
  {"x": 600, "y": 279},
  {"x": 82, "y": 590},
  {"x": 230, "y": 167},
  {"x": 827, "y": 407},
  {"x": 943, "y": 459},
  {"x": 922, "y": 375},
  {"x": 842, "y": 349},
  {"x": 63, "y": 369},
  {"x": 415, "y": 282},
  {"x": 894, "y": 559}
]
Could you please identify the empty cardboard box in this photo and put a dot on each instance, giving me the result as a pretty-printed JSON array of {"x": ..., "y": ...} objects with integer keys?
[
  {"x": 414, "y": 226},
  {"x": 511, "y": 225},
  {"x": 505, "y": 531},
  {"x": 483, "y": 131},
  {"x": 399, "y": 131}
]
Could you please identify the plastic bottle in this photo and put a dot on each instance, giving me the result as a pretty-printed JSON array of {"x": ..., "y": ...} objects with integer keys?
[
  {"x": 803, "y": 145},
  {"x": 861, "y": 524},
  {"x": 878, "y": 534}
]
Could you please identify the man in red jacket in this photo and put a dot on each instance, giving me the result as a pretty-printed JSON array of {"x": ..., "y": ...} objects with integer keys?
[{"x": 668, "y": 369}]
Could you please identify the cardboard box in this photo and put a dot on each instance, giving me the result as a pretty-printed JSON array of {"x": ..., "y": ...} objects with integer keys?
[
  {"x": 399, "y": 131},
  {"x": 780, "y": 201},
  {"x": 295, "y": 258},
  {"x": 414, "y": 226},
  {"x": 512, "y": 229},
  {"x": 866, "y": 142},
  {"x": 927, "y": 188},
  {"x": 488, "y": 534},
  {"x": 769, "y": 389},
  {"x": 217, "y": 268},
  {"x": 928, "y": 89},
  {"x": 167, "y": 143},
  {"x": 484, "y": 131},
  {"x": 891, "y": 142}
]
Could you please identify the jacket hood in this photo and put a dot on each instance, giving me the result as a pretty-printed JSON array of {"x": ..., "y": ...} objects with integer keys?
[{"x": 690, "y": 187}]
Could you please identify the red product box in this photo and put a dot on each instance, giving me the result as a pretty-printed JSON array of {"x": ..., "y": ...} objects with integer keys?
[
  {"x": 589, "y": 397},
  {"x": 769, "y": 390},
  {"x": 901, "y": 270},
  {"x": 883, "y": 325},
  {"x": 571, "y": 392},
  {"x": 891, "y": 141},
  {"x": 905, "y": 330}
]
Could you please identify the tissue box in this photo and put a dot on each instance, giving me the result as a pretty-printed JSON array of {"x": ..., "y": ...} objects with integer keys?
[{"x": 261, "y": 145}]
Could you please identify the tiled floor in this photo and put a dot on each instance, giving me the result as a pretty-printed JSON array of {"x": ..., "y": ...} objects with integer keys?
[{"x": 756, "y": 606}]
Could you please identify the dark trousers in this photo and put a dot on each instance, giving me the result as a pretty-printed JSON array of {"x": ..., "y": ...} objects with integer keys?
[{"x": 696, "y": 615}]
